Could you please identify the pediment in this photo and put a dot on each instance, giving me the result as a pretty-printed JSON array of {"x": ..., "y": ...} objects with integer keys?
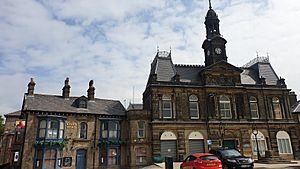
[
  {"x": 221, "y": 73},
  {"x": 223, "y": 67}
]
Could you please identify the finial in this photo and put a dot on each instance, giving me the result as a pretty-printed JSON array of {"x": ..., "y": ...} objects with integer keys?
[
  {"x": 209, "y": 4},
  {"x": 256, "y": 53},
  {"x": 157, "y": 48}
]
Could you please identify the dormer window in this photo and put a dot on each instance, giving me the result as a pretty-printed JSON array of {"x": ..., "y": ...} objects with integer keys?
[{"x": 81, "y": 102}]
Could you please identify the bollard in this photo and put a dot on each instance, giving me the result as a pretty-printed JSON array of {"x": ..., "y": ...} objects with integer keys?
[{"x": 168, "y": 162}]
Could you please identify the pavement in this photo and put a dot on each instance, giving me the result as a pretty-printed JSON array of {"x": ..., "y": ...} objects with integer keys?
[{"x": 295, "y": 165}]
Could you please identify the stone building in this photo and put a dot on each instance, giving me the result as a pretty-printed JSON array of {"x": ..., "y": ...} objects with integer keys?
[
  {"x": 192, "y": 108},
  {"x": 11, "y": 140},
  {"x": 73, "y": 132}
]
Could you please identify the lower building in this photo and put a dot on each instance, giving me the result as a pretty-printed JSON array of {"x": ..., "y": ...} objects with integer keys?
[
  {"x": 73, "y": 132},
  {"x": 11, "y": 140}
]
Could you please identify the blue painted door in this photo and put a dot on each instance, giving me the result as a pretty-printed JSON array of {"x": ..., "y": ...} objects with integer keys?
[{"x": 80, "y": 159}]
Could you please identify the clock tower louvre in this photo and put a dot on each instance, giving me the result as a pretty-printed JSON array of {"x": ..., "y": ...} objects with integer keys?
[{"x": 214, "y": 44}]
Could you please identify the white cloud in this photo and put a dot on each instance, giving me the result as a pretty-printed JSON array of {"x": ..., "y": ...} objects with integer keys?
[{"x": 114, "y": 42}]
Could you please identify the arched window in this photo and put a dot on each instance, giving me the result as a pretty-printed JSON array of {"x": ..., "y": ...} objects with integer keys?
[
  {"x": 276, "y": 108},
  {"x": 83, "y": 130},
  {"x": 261, "y": 141},
  {"x": 225, "y": 107},
  {"x": 193, "y": 104},
  {"x": 284, "y": 143},
  {"x": 253, "y": 108},
  {"x": 166, "y": 107}
]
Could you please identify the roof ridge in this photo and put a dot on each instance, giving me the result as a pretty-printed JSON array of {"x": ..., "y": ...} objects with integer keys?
[
  {"x": 75, "y": 97},
  {"x": 188, "y": 65}
]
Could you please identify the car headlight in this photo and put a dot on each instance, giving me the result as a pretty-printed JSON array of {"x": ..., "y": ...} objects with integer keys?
[
  {"x": 231, "y": 160},
  {"x": 250, "y": 160}
]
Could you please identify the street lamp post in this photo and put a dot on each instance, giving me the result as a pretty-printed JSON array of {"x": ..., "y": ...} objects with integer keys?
[
  {"x": 255, "y": 132},
  {"x": 221, "y": 130}
]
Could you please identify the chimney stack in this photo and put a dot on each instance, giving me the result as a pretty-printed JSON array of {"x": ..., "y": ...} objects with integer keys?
[
  {"x": 66, "y": 89},
  {"x": 91, "y": 91},
  {"x": 30, "y": 90}
]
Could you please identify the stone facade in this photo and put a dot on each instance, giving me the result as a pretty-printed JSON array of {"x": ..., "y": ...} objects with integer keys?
[
  {"x": 73, "y": 132},
  {"x": 194, "y": 108}
]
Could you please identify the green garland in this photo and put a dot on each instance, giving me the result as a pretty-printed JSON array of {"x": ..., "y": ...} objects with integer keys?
[
  {"x": 111, "y": 142},
  {"x": 51, "y": 143}
]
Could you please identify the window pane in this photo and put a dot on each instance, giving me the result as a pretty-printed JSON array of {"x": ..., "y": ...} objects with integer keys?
[
  {"x": 288, "y": 148},
  {"x": 141, "y": 128},
  {"x": 61, "y": 133},
  {"x": 276, "y": 108},
  {"x": 83, "y": 130},
  {"x": 43, "y": 124},
  {"x": 225, "y": 108},
  {"x": 194, "y": 110},
  {"x": 42, "y": 133},
  {"x": 167, "y": 109},
  {"x": 62, "y": 125},
  {"x": 167, "y": 105},
  {"x": 53, "y": 124},
  {"x": 104, "y": 133}
]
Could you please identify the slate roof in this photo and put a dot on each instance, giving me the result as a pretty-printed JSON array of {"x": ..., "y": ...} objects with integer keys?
[
  {"x": 163, "y": 67},
  {"x": 256, "y": 68},
  {"x": 13, "y": 114},
  {"x": 189, "y": 73},
  {"x": 54, "y": 103},
  {"x": 165, "y": 70},
  {"x": 135, "y": 107},
  {"x": 296, "y": 109}
]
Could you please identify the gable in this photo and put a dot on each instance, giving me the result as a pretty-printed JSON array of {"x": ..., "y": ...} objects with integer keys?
[{"x": 221, "y": 73}]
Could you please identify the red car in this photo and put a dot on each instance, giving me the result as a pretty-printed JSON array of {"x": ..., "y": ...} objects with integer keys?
[{"x": 201, "y": 161}]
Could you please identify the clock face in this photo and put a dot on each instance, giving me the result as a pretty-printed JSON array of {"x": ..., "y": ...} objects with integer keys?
[{"x": 218, "y": 50}]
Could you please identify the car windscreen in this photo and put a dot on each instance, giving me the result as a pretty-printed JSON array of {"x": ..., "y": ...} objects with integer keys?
[
  {"x": 209, "y": 158},
  {"x": 230, "y": 153}
]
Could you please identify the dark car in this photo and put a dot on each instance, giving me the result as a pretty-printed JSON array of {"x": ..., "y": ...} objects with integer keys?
[{"x": 233, "y": 159}]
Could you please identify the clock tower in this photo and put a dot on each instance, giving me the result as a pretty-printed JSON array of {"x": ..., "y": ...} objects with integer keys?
[{"x": 214, "y": 44}]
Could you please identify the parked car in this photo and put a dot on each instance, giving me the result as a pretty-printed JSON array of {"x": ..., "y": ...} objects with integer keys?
[
  {"x": 201, "y": 161},
  {"x": 233, "y": 159}
]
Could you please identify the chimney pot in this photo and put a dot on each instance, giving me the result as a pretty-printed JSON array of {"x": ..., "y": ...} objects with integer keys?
[
  {"x": 91, "y": 91},
  {"x": 30, "y": 90},
  {"x": 66, "y": 89}
]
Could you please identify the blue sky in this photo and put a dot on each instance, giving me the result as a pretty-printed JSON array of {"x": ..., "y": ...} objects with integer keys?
[{"x": 113, "y": 42}]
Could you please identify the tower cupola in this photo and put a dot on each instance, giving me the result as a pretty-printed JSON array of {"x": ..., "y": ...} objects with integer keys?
[
  {"x": 214, "y": 44},
  {"x": 212, "y": 23}
]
